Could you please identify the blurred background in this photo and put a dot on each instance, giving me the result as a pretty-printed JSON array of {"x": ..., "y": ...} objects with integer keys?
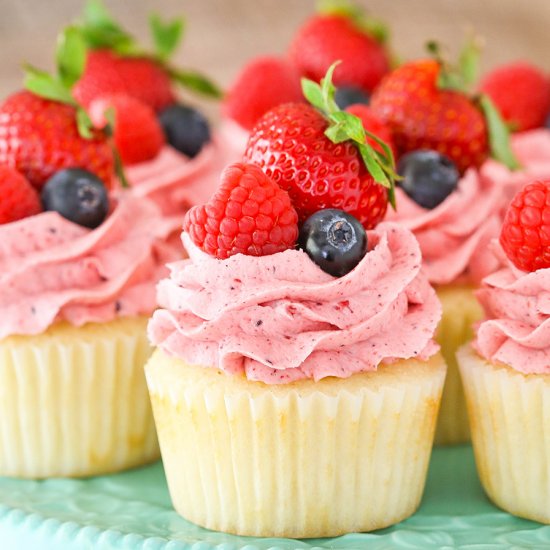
[{"x": 222, "y": 34}]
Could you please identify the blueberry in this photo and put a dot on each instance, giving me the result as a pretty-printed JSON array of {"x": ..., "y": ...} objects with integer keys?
[
  {"x": 349, "y": 95},
  {"x": 334, "y": 240},
  {"x": 77, "y": 195},
  {"x": 185, "y": 129},
  {"x": 428, "y": 177}
]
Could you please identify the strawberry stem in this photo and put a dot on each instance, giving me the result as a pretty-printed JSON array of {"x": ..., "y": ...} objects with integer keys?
[{"x": 344, "y": 126}]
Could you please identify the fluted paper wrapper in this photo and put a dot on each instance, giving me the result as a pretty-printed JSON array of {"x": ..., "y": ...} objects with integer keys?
[
  {"x": 308, "y": 459},
  {"x": 510, "y": 422},
  {"x": 460, "y": 311},
  {"x": 74, "y": 402}
]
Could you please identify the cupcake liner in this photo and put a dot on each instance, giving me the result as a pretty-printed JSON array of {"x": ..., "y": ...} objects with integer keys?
[
  {"x": 460, "y": 311},
  {"x": 73, "y": 401},
  {"x": 308, "y": 459},
  {"x": 510, "y": 422}
]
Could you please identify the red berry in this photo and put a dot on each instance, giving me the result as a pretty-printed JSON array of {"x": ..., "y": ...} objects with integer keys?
[
  {"x": 422, "y": 116},
  {"x": 263, "y": 83},
  {"x": 521, "y": 92},
  {"x": 290, "y": 146},
  {"x": 374, "y": 125},
  {"x": 39, "y": 137},
  {"x": 107, "y": 73},
  {"x": 325, "y": 39},
  {"x": 525, "y": 235},
  {"x": 18, "y": 198},
  {"x": 249, "y": 214},
  {"x": 138, "y": 135}
]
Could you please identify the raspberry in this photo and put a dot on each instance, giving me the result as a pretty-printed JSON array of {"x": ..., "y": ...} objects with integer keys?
[
  {"x": 525, "y": 235},
  {"x": 18, "y": 198},
  {"x": 138, "y": 135},
  {"x": 262, "y": 84},
  {"x": 249, "y": 214}
]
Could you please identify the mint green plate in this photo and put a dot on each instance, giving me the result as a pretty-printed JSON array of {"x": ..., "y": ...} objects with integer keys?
[{"x": 132, "y": 511}]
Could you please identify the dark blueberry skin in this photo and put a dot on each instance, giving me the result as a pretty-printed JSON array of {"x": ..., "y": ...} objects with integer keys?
[
  {"x": 428, "y": 177},
  {"x": 185, "y": 129},
  {"x": 77, "y": 195},
  {"x": 348, "y": 95},
  {"x": 334, "y": 240}
]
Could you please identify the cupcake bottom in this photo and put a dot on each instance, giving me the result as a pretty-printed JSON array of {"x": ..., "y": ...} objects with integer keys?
[
  {"x": 510, "y": 421},
  {"x": 73, "y": 401},
  {"x": 460, "y": 311},
  {"x": 307, "y": 459}
]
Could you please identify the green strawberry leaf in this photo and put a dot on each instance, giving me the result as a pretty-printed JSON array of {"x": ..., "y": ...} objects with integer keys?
[
  {"x": 196, "y": 82},
  {"x": 119, "y": 167},
  {"x": 47, "y": 86},
  {"x": 70, "y": 55},
  {"x": 344, "y": 126},
  {"x": 469, "y": 62},
  {"x": 499, "y": 134},
  {"x": 84, "y": 124},
  {"x": 166, "y": 35}
]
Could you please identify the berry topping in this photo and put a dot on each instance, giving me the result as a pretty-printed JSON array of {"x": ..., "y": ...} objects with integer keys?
[
  {"x": 78, "y": 196},
  {"x": 18, "y": 198},
  {"x": 249, "y": 214},
  {"x": 525, "y": 235},
  {"x": 334, "y": 240},
  {"x": 39, "y": 137},
  {"x": 521, "y": 92},
  {"x": 428, "y": 177},
  {"x": 340, "y": 34},
  {"x": 349, "y": 95},
  {"x": 186, "y": 129},
  {"x": 137, "y": 132},
  {"x": 322, "y": 157},
  {"x": 262, "y": 84}
]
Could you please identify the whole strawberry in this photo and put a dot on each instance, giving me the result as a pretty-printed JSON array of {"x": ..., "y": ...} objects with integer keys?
[
  {"x": 427, "y": 106},
  {"x": 340, "y": 34},
  {"x": 39, "y": 137},
  {"x": 525, "y": 235},
  {"x": 262, "y": 84},
  {"x": 249, "y": 214},
  {"x": 18, "y": 199},
  {"x": 521, "y": 92},
  {"x": 320, "y": 158}
]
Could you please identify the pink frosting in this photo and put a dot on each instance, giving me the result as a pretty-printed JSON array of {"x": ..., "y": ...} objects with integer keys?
[
  {"x": 280, "y": 318},
  {"x": 52, "y": 269},
  {"x": 454, "y": 235},
  {"x": 516, "y": 331}
]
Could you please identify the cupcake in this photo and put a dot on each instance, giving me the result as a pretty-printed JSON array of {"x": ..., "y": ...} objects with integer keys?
[
  {"x": 506, "y": 369},
  {"x": 79, "y": 264},
  {"x": 275, "y": 365},
  {"x": 443, "y": 136}
]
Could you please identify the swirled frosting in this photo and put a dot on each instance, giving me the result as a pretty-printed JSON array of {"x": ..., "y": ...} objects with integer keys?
[
  {"x": 280, "y": 318},
  {"x": 52, "y": 269},
  {"x": 454, "y": 235},
  {"x": 516, "y": 329}
]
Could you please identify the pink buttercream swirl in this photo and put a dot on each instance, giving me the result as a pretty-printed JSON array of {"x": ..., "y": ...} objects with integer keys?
[
  {"x": 516, "y": 330},
  {"x": 52, "y": 269},
  {"x": 454, "y": 235},
  {"x": 280, "y": 318}
]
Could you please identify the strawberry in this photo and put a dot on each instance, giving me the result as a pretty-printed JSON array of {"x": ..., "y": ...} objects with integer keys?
[
  {"x": 425, "y": 109},
  {"x": 525, "y": 235},
  {"x": 108, "y": 73},
  {"x": 320, "y": 158},
  {"x": 262, "y": 84},
  {"x": 521, "y": 92},
  {"x": 38, "y": 137},
  {"x": 249, "y": 214},
  {"x": 374, "y": 125},
  {"x": 137, "y": 132},
  {"x": 340, "y": 34},
  {"x": 117, "y": 65},
  {"x": 18, "y": 199}
]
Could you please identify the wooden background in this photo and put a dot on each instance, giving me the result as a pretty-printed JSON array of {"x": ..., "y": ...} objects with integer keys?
[{"x": 222, "y": 34}]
